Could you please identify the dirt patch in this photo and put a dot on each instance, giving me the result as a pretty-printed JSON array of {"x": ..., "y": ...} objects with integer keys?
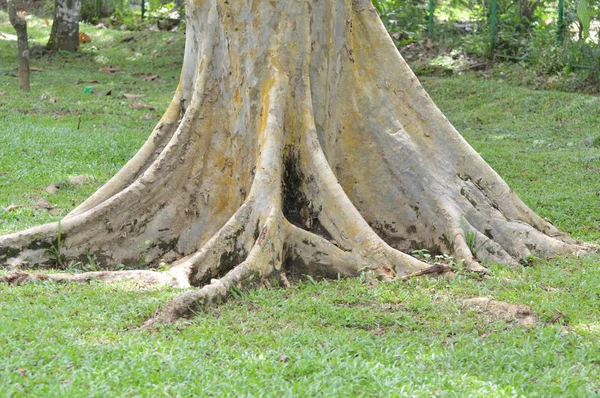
[
  {"x": 379, "y": 307},
  {"x": 493, "y": 311},
  {"x": 79, "y": 180}
]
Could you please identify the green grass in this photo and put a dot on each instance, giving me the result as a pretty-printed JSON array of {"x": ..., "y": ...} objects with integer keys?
[
  {"x": 338, "y": 338},
  {"x": 40, "y": 142},
  {"x": 330, "y": 338}
]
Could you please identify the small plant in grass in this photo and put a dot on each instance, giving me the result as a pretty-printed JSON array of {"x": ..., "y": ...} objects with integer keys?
[
  {"x": 91, "y": 266},
  {"x": 422, "y": 254},
  {"x": 311, "y": 280},
  {"x": 425, "y": 255},
  {"x": 444, "y": 259},
  {"x": 163, "y": 267},
  {"x": 74, "y": 267},
  {"x": 236, "y": 292},
  {"x": 77, "y": 266},
  {"x": 470, "y": 237},
  {"x": 531, "y": 260},
  {"x": 54, "y": 250},
  {"x": 123, "y": 267}
]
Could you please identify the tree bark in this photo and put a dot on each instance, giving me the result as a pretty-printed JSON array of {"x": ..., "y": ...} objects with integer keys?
[
  {"x": 65, "y": 26},
  {"x": 298, "y": 141},
  {"x": 20, "y": 26}
]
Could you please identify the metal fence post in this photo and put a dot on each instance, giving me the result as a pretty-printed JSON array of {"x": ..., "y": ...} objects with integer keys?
[
  {"x": 430, "y": 24},
  {"x": 559, "y": 36},
  {"x": 493, "y": 21}
]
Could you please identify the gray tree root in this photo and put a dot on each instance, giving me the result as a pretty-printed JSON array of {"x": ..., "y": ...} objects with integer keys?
[{"x": 298, "y": 142}]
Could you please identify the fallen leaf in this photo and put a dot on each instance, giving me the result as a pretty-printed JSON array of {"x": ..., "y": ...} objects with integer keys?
[
  {"x": 110, "y": 69},
  {"x": 493, "y": 311},
  {"x": 34, "y": 69},
  {"x": 99, "y": 94},
  {"x": 84, "y": 38},
  {"x": 170, "y": 40},
  {"x": 2, "y": 92},
  {"x": 43, "y": 204},
  {"x": 6, "y": 36},
  {"x": 388, "y": 270},
  {"x": 86, "y": 81},
  {"x": 149, "y": 116},
  {"x": 53, "y": 100},
  {"x": 51, "y": 189},
  {"x": 43, "y": 96},
  {"x": 385, "y": 273},
  {"x": 21, "y": 371},
  {"x": 79, "y": 180},
  {"x": 3, "y": 173},
  {"x": 283, "y": 358},
  {"x": 12, "y": 207},
  {"x": 557, "y": 317},
  {"x": 133, "y": 96},
  {"x": 152, "y": 78},
  {"x": 139, "y": 105}
]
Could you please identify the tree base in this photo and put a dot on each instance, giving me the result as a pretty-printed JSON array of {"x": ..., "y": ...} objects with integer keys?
[{"x": 300, "y": 143}]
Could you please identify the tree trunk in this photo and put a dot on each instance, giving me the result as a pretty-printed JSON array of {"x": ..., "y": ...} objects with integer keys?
[
  {"x": 298, "y": 141},
  {"x": 65, "y": 27},
  {"x": 20, "y": 26}
]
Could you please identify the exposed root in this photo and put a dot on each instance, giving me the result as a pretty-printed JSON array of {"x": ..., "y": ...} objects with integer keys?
[
  {"x": 337, "y": 213},
  {"x": 467, "y": 254},
  {"x": 259, "y": 265},
  {"x": 307, "y": 253},
  {"x": 220, "y": 253},
  {"x": 172, "y": 279},
  {"x": 488, "y": 250},
  {"x": 435, "y": 269},
  {"x": 141, "y": 161}
]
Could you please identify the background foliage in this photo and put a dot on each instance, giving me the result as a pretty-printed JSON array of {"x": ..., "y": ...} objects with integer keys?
[{"x": 526, "y": 31}]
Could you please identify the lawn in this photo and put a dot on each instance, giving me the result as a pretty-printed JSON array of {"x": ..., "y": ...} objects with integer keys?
[{"x": 318, "y": 338}]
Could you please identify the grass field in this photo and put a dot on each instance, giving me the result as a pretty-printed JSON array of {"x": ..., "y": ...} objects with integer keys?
[{"x": 318, "y": 338}]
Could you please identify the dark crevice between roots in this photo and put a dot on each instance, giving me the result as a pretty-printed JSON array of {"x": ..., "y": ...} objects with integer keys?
[
  {"x": 296, "y": 267},
  {"x": 48, "y": 244},
  {"x": 8, "y": 252},
  {"x": 297, "y": 208},
  {"x": 391, "y": 236},
  {"x": 228, "y": 261}
]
